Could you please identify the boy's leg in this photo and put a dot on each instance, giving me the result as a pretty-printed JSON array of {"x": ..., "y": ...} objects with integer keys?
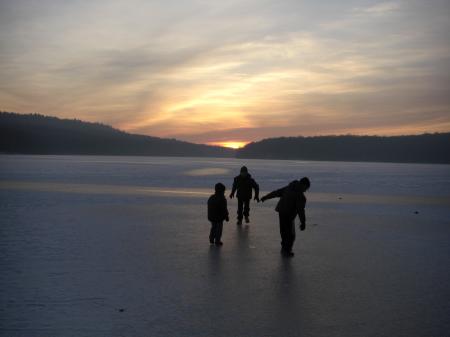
[
  {"x": 212, "y": 232},
  {"x": 286, "y": 225},
  {"x": 219, "y": 227},
  {"x": 240, "y": 209},
  {"x": 291, "y": 235},
  {"x": 246, "y": 208},
  {"x": 282, "y": 230}
]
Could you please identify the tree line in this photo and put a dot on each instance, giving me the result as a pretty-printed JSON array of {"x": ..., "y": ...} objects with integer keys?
[
  {"x": 425, "y": 148},
  {"x": 38, "y": 134}
]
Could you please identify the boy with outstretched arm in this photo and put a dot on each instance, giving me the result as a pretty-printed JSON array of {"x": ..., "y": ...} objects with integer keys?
[{"x": 292, "y": 203}]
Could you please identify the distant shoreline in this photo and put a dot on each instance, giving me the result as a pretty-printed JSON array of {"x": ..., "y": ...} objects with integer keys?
[{"x": 33, "y": 134}]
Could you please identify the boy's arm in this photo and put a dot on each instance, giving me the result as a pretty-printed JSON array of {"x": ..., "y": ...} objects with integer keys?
[
  {"x": 225, "y": 211},
  {"x": 256, "y": 188},
  {"x": 233, "y": 189},
  {"x": 301, "y": 204},
  {"x": 302, "y": 216},
  {"x": 275, "y": 194}
]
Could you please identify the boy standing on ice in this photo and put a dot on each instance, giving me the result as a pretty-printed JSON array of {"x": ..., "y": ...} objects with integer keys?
[
  {"x": 292, "y": 203},
  {"x": 217, "y": 213},
  {"x": 244, "y": 184}
]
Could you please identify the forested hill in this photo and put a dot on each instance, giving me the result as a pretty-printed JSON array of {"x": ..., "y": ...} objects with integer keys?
[
  {"x": 426, "y": 148},
  {"x": 37, "y": 134}
]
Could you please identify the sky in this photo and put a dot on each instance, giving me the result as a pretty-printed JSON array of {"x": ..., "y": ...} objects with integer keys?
[{"x": 230, "y": 72}]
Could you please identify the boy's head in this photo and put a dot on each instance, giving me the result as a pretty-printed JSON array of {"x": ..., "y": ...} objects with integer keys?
[
  {"x": 304, "y": 184},
  {"x": 219, "y": 188},
  {"x": 244, "y": 171}
]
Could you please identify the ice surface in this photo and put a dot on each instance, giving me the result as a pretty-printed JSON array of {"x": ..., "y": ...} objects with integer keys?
[{"x": 118, "y": 246}]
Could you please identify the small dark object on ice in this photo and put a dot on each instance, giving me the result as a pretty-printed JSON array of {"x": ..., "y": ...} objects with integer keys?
[
  {"x": 416, "y": 212},
  {"x": 121, "y": 310},
  {"x": 340, "y": 198}
]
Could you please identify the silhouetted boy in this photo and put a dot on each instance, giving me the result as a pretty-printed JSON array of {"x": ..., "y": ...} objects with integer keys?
[
  {"x": 244, "y": 184},
  {"x": 292, "y": 202},
  {"x": 217, "y": 213}
]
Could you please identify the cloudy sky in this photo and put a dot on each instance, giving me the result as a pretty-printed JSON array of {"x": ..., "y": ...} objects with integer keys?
[{"x": 230, "y": 71}]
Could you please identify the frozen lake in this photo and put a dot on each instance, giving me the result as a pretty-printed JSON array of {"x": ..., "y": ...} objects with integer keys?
[{"x": 118, "y": 246}]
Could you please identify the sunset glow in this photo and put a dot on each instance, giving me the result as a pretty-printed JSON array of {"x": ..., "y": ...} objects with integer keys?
[
  {"x": 287, "y": 68},
  {"x": 230, "y": 144}
]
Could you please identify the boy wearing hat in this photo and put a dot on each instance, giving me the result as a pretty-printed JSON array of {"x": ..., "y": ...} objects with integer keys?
[{"x": 217, "y": 213}]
